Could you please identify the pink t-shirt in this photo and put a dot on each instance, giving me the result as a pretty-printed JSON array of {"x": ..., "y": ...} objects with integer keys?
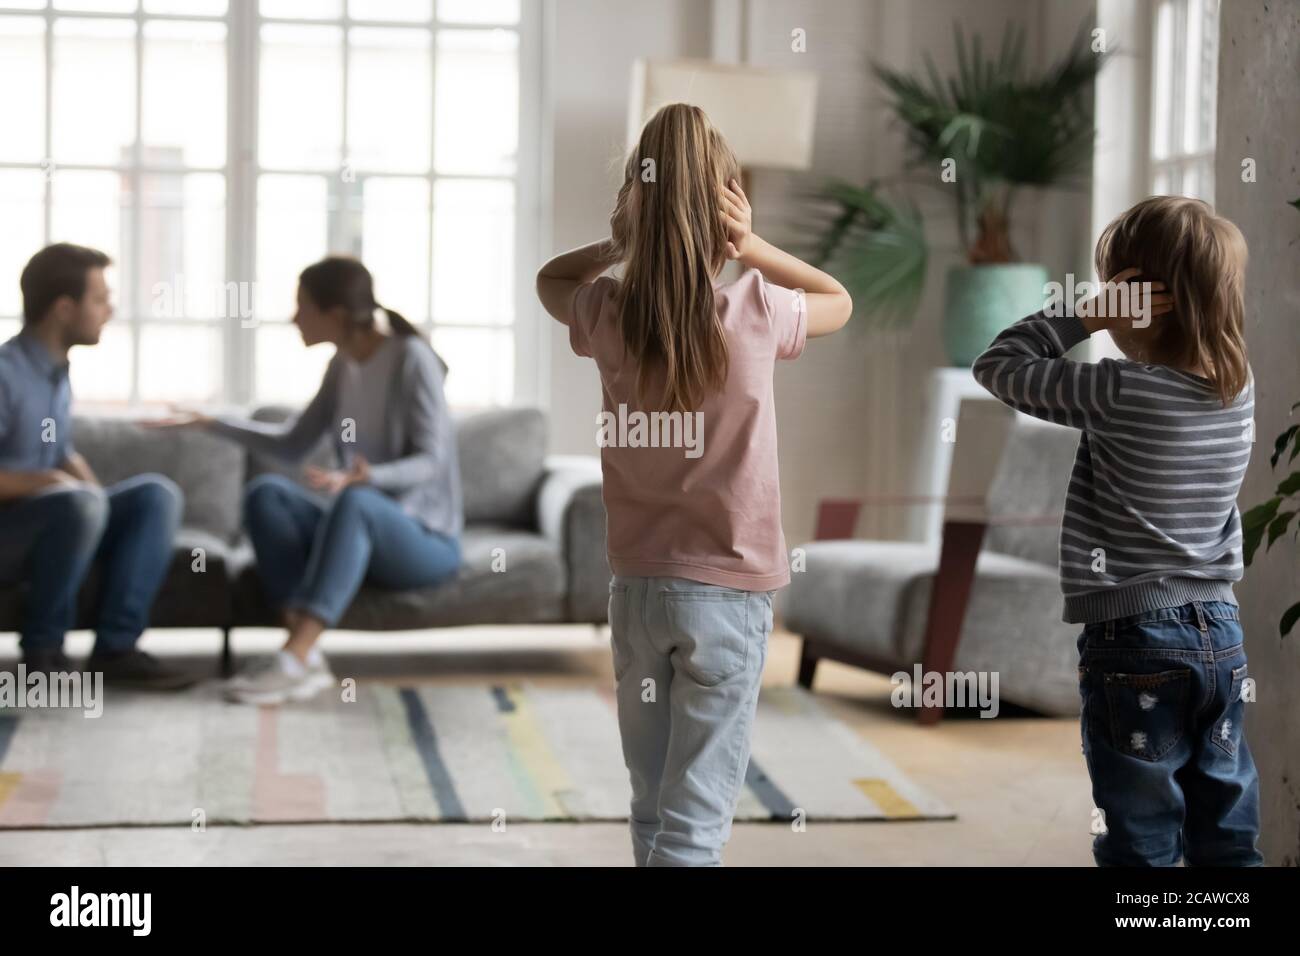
[{"x": 698, "y": 496}]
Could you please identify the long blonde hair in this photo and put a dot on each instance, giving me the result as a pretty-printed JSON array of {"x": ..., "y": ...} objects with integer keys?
[
  {"x": 1201, "y": 259},
  {"x": 670, "y": 237}
]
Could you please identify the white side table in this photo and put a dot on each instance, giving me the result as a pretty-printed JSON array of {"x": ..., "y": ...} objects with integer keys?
[{"x": 948, "y": 388}]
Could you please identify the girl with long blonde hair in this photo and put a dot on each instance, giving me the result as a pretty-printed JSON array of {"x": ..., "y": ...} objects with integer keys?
[{"x": 691, "y": 485}]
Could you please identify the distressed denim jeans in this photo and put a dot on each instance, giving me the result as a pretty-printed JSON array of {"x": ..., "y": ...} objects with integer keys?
[
  {"x": 1163, "y": 736},
  {"x": 688, "y": 662}
]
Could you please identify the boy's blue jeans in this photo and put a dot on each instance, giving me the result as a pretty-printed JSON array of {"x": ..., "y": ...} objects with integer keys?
[
  {"x": 314, "y": 555},
  {"x": 50, "y": 539},
  {"x": 1163, "y": 736},
  {"x": 688, "y": 661}
]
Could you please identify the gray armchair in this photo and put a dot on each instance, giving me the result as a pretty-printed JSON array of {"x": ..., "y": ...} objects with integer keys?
[{"x": 986, "y": 599}]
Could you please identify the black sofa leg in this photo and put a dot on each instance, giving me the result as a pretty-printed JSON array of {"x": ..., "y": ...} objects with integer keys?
[
  {"x": 807, "y": 666},
  {"x": 227, "y": 662}
]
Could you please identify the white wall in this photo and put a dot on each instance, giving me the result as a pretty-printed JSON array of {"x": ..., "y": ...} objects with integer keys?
[
  {"x": 592, "y": 46},
  {"x": 1259, "y": 113},
  {"x": 847, "y": 409}
]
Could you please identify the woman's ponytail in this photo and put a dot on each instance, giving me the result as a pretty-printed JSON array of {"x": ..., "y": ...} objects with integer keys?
[{"x": 399, "y": 323}]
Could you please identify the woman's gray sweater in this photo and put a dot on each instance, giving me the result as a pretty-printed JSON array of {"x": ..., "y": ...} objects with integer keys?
[{"x": 420, "y": 469}]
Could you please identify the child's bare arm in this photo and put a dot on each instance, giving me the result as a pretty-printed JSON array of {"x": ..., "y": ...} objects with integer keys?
[
  {"x": 560, "y": 278},
  {"x": 829, "y": 304}
]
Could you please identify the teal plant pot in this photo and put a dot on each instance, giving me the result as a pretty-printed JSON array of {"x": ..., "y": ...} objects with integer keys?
[{"x": 981, "y": 301}]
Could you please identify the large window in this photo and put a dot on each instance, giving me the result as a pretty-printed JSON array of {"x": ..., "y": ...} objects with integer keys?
[
  {"x": 1184, "y": 88},
  {"x": 214, "y": 149}
]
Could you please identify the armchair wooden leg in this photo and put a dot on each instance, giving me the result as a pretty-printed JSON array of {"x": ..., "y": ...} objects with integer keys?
[
  {"x": 807, "y": 666},
  {"x": 948, "y": 600},
  {"x": 227, "y": 659}
]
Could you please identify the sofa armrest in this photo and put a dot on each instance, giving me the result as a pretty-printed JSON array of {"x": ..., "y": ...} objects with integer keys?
[{"x": 571, "y": 513}]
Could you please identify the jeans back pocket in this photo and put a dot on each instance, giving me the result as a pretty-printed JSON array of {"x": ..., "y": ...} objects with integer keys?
[
  {"x": 1148, "y": 712},
  {"x": 710, "y": 632},
  {"x": 1227, "y": 729},
  {"x": 619, "y": 639}
]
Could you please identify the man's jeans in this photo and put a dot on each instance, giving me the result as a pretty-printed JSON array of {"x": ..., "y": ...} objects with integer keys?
[
  {"x": 314, "y": 555},
  {"x": 688, "y": 661},
  {"x": 50, "y": 539},
  {"x": 1163, "y": 736}
]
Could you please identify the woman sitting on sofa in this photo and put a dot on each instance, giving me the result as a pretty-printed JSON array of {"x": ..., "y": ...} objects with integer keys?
[{"x": 390, "y": 514}]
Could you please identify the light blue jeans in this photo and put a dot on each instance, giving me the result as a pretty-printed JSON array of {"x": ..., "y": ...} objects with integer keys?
[{"x": 688, "y": 661}]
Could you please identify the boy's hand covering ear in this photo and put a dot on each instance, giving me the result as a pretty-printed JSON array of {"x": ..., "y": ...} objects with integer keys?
[{"x": 1124, "y": 303}]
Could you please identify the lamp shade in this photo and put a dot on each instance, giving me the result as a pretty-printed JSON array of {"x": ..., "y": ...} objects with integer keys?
[{"x": 766, "y": 115}]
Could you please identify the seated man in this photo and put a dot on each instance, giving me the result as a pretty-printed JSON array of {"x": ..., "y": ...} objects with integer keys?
[{"x": 55, "y": 519}]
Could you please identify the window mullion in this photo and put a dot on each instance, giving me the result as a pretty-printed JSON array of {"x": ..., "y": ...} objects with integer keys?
[
  {"x": 137, "y": 209},
  {"x": 342, "y": 231},
  {"x": 241, "y": 194},
  {"x": 433, "y": 170},
  {"x": 49, "y": 125}
]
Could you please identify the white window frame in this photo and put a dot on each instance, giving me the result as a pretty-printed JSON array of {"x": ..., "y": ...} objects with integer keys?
[
  {"x": 1181, "y": 159},
  {"x": 243, "y": 20},
  {"x": 1124, "y": 167}
]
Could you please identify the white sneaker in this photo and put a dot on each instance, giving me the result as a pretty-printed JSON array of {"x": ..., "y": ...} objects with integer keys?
[{"x": 280, "y": 680}]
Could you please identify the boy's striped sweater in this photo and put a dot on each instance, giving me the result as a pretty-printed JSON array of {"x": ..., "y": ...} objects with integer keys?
[{"x": 1151, "y": 513}]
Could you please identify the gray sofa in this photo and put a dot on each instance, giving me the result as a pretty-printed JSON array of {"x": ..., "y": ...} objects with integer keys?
[
  {"x": 545, "y": 514},
  {"x": 988, "y": 599}
]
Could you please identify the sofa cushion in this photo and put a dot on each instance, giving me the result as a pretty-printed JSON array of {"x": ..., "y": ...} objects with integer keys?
[
  {"x": 527, "y": 588},
  {"x": 853, "y": 593},
  {"x": 209, "y": 471},
  {"x": 502, "y": 460},
  {"x": 1013, "y": 627}
]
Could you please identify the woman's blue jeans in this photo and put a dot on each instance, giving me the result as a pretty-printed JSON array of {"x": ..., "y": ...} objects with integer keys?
[
  {"x": 1164, "y": 701},
  {"x": 313, "y": 556}
]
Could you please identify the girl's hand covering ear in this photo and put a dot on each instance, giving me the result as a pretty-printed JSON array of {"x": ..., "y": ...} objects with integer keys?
[{"x": 737, "y": 219}]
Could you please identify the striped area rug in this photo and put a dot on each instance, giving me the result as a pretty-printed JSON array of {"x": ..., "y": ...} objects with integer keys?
[{"x": 469, "y": 752}]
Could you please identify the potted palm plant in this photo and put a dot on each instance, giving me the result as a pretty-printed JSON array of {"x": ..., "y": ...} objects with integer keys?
[{"x": 984, "y": 134}]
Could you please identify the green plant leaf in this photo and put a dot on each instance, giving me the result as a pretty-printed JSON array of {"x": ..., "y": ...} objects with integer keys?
[
  {"x": 1279, "y": 446},
  {"x": 1253, "y": 524},
  {"x": 1289, "y": 617},
  {"x": 1260, "y": 515},
  {"x": 1290, "y": 484},
  {"x": 877, "y": 248},
  {"x": 1277, "y": 527},
  {"x": 1004, "y": 127}
]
